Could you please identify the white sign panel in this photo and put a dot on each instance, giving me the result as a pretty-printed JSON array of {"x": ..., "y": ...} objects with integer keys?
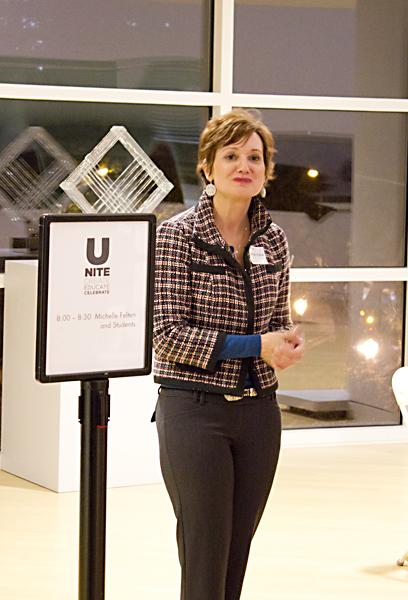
[{"x": 97, "y": 308}]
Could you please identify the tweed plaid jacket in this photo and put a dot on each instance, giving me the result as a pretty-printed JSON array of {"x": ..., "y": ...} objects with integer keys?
[{"x": 202, "y": 294}]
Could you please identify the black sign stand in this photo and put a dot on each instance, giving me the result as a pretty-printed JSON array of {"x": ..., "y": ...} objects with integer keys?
[
  {"x": 94, "y": 398},
  {"x": 94, "y": 417}
]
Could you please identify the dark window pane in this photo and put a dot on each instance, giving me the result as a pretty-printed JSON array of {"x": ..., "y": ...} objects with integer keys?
[
  {"x": 340, "y": 187},
  {"x": 131, "y": 44},
  {"x": 354, "y": 48},
  {"x": 50, "y": 138},
  {"x": 353, "y": 335}
]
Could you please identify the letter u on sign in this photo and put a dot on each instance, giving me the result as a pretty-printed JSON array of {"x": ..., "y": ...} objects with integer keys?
[{"x": 90, "y": 251}]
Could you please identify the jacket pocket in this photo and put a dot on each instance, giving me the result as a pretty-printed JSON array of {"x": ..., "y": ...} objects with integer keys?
[
  {"x": 275, "y": 268},
  {"x": 204, "y": 268},
  {"x": 207, "y": 294}
]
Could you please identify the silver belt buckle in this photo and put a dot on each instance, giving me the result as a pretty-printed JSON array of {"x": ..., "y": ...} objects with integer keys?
[{"x": 251, "y": 392}]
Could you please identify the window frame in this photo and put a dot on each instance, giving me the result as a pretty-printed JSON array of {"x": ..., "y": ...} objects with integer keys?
[{"x": 219, "y": 101}]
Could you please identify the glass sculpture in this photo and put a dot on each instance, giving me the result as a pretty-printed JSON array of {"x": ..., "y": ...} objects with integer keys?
[
  {"x": 31, "y": 168},
  {"x": 117, "y": 177}
]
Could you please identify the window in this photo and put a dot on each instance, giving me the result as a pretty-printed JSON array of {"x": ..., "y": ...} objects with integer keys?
[
  {"x": 134, "y": 44},
  {"x": 353, "y": 335},
  {"x": 342, "y": 48},
  {"x": 339, "y": 176},
  {"x": 340, "y": 191},
  {"x": 62, "y": 133}
]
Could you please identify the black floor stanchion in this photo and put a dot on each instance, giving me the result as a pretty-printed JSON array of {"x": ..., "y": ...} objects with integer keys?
[
  {"x": 94, "y": 417},
  {"x": 88, "y": 338}
]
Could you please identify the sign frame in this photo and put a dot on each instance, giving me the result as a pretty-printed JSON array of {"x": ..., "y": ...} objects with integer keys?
[{"x": 43, "y": 301}]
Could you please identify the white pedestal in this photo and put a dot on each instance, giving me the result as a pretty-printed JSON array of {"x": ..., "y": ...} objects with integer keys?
[{"x": 40, "y": 428}]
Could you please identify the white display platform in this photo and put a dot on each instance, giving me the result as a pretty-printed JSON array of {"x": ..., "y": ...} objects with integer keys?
[{"x": 40, "y": 428}]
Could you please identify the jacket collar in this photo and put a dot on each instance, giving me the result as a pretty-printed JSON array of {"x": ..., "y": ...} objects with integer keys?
[{"x": 204, "y": 226}]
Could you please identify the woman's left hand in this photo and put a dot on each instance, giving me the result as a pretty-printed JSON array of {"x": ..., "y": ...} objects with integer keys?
[{"x": 282, "y": 349}]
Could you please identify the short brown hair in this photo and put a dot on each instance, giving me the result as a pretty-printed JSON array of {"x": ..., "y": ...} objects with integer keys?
[{"x": 239, "y": 124}]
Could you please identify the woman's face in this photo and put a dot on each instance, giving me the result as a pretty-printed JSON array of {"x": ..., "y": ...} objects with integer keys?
[{"x": 239, "y": 168}]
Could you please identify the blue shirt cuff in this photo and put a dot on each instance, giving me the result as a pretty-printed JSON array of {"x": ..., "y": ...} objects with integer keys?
[{"x": 240, "y": 346}]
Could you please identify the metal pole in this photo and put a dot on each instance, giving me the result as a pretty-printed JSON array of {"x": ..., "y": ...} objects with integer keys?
[{"x": 94, "y": 417}]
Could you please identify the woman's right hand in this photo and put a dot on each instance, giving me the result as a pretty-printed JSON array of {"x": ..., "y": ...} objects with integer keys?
[{"x": 282, "y": 349}]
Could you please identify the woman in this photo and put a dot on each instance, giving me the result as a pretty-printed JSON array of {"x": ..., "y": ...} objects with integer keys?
[{"x": 221, "y": 328}]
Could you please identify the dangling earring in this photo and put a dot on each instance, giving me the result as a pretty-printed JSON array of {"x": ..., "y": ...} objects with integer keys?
[
  {"x": 210, "y": 189},
  {"x": 262, "y": 193}
]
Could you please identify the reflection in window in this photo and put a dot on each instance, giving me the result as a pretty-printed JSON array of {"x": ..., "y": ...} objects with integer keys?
[
  {"x": 313, "y": 175},
  {"x": 355, "y": 48},
  {"x": 353, "y": 335},
  {"x": 337, "y": 175},
  {"x": 31, "y": 168},
  {"x": 135, "y": 44},
  {"x": 169, "y": 135}
]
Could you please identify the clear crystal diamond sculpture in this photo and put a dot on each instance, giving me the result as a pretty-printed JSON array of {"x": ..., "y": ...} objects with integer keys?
[
  {"x": 117, "y": 176},
  {"x": 31, "y": 168}
]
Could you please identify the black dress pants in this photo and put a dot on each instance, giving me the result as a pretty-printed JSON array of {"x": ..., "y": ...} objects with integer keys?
[{"x": 218, "y": 460}]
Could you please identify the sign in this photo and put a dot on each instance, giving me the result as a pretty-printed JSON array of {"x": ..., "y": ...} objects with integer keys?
[{"x": 95, "y": 296}]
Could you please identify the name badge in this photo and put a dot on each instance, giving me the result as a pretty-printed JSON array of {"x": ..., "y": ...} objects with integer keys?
[{"x": 257, "y": 255}]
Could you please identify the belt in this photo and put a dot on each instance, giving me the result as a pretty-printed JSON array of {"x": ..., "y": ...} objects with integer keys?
[{"x": 248, "y": 392}]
